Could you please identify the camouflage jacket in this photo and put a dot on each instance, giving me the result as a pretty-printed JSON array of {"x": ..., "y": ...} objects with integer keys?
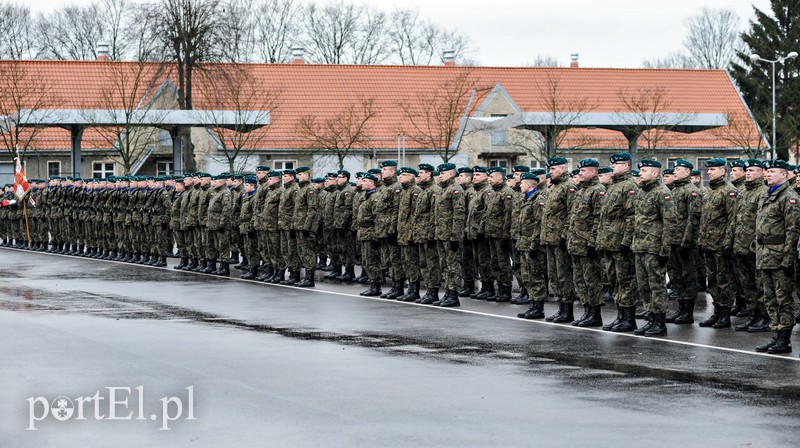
[
  {"x": 268, "y": 215},
  {"x": 388, "y": 203},
  {"x": 615, "y": 228},
  {"x": 776, "y": 237},
  {"x": 306, "y": 207},
  {"x": 343, "y": 208},
  {"x": 175, "y": 211},
  {"x": 653, "y": 206},
  {"x": 476, "y": 211},
  {"x": 365, "y": 218},
  {"x": 219, "y": 210},
  {"x": 684, "y": 222},
  {"x": 449, "y": 212},
  {"x": 286, "y": 207},
  {"x": 258, "y": 206},
  {"x": 246, "y": 212},
  {"x": 499, "y": 207},
  {"x": 424, "y": 218},
  {"x": 742, "y": 230},
  {"x": 406, "y": 219},
  {"x": 555, "y": 215},
  {"x": 717, "y": 215},
  {"x": 203, "y": 199},
  {"x": 524, "y": 216},
  {"x": 585, "y": 219}
]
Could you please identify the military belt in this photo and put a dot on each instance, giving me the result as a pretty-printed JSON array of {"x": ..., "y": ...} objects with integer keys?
[{"x": 771, "y": 240}]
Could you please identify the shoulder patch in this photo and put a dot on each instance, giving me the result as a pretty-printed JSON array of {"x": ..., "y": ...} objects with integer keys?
[
  {"x": 667, "y": 198},
  {"x": 732, "y": 194},
  {"x": 572, "y": 190},
  {"x": 455, "y": 192},
  {"x": 632, "y": 192},
  {"x": 541, "y": 204},
  {"x": 398, "y": 191},
  {"x": 310, "y": 192},
  {"x": 793, "y": 201},
  {"x": 508, "y": 197},
  {"x": 694, "y": 195},
  {"x": 602, "y": 193}
]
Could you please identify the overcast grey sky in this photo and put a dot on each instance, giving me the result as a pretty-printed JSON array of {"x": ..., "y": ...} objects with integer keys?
[{"x": 606, "y": 33}]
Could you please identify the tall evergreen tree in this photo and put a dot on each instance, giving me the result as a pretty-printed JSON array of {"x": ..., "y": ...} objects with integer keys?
[{"x": 772, "y": 35}]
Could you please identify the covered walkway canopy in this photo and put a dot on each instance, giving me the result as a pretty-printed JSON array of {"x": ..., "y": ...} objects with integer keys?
[{"x": 177, "y": 122}]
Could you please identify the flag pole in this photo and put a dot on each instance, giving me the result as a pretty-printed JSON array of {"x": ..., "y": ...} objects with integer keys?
[{"x": 27, "y": 227}]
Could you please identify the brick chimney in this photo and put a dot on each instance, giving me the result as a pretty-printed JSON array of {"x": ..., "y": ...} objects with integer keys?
[
  {"x": 449, "y": 57},
  {"x": 298, "y": 55},
  {"x": 573, "y": 60},
  {"x": 103, "y": 52}
]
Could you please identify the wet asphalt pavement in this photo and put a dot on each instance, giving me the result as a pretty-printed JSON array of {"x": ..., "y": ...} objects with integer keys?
[{"x": 282, "y": 366}]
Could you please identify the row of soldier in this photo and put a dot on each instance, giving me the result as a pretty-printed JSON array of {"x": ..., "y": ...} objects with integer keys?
[{"x": 553, "y": 230}]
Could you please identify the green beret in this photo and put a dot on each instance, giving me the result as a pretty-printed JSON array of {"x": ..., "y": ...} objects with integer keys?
[
  {"x": 426, "y": 167},
  {"x": 509, "y": 176},
  {"x": 447, "y": 166},
  {"x": 782, "y": 164},
  {"x": 371, "y": 177},
  {"x": 272, "y": 174},
  {"x": 179, "y": 180},
  {"x": 588, "y": 163},
  {"x": 620, "y": 157},
  {"x": 669, "y": 171},
  {"x": 237, "y": 176},
  {"x": 386, "y": 163},
  {"x": 715, "y": 162},
  {"x": 251, "y": 180},
  {"x": 753, "y": 162},
  {"x": 529, "y": 176},
  {"x": 605, "y": 170},
  {"x": 520, "y": 169},
  {"x": 539, "y": 171},
  {"x": 409, "y": 170},
  {"x": 548, "y": 176},
  {"x": 331, "y": 175},
  {"x": 684, "y": 163},
  {"x": 635, "y": 173},
  {"x": 738, "y": 163},
  {"x": 301, "y": 169},
  {"x": 374, "y": 171},
  {"x": 318, "y": 180},
  {"x": 796, "y": 169},
  {"x": 696, "y": 173},
  {"x": 464, "y": 169},
  {"x": 343, "y": 173},
  {"x": 360, "y": 175},
  {"x": 435, "y": 173},
  {"x": 204, "y": 174},
  {"x": 496, "y": 169},
  {"x": 220, "y": 177},
  {"x": 289, "y": 171},
  {"x": 479, "y": 169},
  {"x": 649, "y": 162},
  {"x": 556, "y": 161},
  {"x": 575, "y": 172},
  {"x": 262, "y": 168}
]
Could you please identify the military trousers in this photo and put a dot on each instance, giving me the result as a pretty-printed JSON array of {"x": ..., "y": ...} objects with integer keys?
[
  {"x": 468, "y": 263},
  {"x": 180, "y": 241},
  {"x": 220, "y": 244},
  {"x": 262, "y": 244},
  {"x": 371, "y": 260},
  {"x": 347, "y": 247},
  {"x": 273, "y": 246},
  {"x": 307, "y": 249},
  {"x": 682, "y": 270},
  {"x": 778, "y": 287},
  {"x": 749, "y": 287},
  {"x": 720, "y": 278},
  {"x": 700, "y": 263},
  {"x": 651, "y": 280},
  {"x": 559, "y": 273},
  {"x": 621, "y": 274},
  {"x": 500, "y": 249},
  {"x": 483, "y": 259},
  {"x": 450, "y": 260},
  {"x": 516, "y": 265},
  {"x": 390, "y": 254},
  {"x": 534, "y": 266},
  {"x": 586, "y": 275},
  {"x": 410, "y": 256},
  {"x": 249, "y": 248},
  {"x": 429, "y": 264},
  {"x": 291, "y": 259}
]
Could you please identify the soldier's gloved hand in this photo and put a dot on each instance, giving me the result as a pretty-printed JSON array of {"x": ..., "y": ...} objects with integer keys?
[
  {"x": 392, "y": 238},
  {"x": 591, "y": 252},
  {"x": 727, "y": 252},
  {"x": 624, "y": 250},
  {"x": 506, "y": 245},
  {"x": 751, "y": 256},
  {"x": 663, "y": 260},
  {"x": 454, "y": 245},
  {"x": 375, "y": 244},
  {"x": 431, "y": 244},
  {"x": 562, "y": 244}
]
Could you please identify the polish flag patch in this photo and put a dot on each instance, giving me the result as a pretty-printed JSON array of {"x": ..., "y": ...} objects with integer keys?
[
  {"x": 732, "y": 194},
  {"x": 694, "y": 195},
  {"x": 792, "y": 201},
  {"x": 602, "y": 193},
  {"x": 667, "y": 198}
]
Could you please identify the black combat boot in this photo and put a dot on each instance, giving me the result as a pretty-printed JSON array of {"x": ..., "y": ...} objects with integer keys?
[
  {"x": 192, "y": 265},
  {"x": 224, "y": 269},
  {"x": 392, "y": 290},
  {"x": 450, "y": 299},
  {"x": 244, "y": 265},
  {"x": 294, "y": 278},
  {"x": 769, "y": 344},
  {"x": 432, "y": 295},
  {"x": 269, "y": 274},
  {"x": 712, "y": 319},
  {"x": 565, "y": 316},
  {"x": 249, "y": 274},
  {"x": 761, "y": 325},
  {"x": 487, "y": 290},
  {"x": 536, "y": 311},
  {"x": 608, "y": 297},
  {"x": 615, "y": 322},
  {"x": 235, "y": 258},
  {"x": 681, "y": 308},
  {"x": 363, "y": 279},
  {"x": 308, "y": 281},
  {"x": 263, "y": 273},
  {"x": 503, "y": 294},
  {"x": 373, "y": 291},
  {"x": 412, "y": 294},
  {"x": 754, "y": 316},
  {"x": 211, "y": 266},
  {"x": 628, "y": 322},
  {"x": 558, "y": 313},
  {"x": 467, "y": 290},
  {"x": 335, "y": 273},
  {"x": 783, "y": 344},
  {"x": 349, "y": 274},
  {"x": 595, "y": 318},
  {"x": 587, "y": 311},
  {"x": 658, "y": 328},
  {"x": 280, "y": 275},
  {"x": 644, "y": 314},
  {"x": 724, "y": 320},
  {"x": 201, "y": 265},
  {"x": 153, "y": 260},
  {"x": 397, "y": 290},
  {"x": 161, "y": 262},
  {"x": 182, "y": 264},
  {"x": 647, "y": 326},
  {"x": 688, "y": 313},
  {"x": 522, "y": 298}
]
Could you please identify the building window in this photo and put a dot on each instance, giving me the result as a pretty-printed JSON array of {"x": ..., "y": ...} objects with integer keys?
[
  {"x": 499, "y": 138},
  {"x": 284, "y": 164},
  {"x": 53, "y": 169},
  {"x": 499, "y": 162},
  {"x": 535, "y": 164},
  {"x": 101, "y": 170},
  {"x": 164, "y": 168}
]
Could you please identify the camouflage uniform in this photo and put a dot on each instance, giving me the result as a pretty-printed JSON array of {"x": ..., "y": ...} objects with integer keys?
[
  {"x": 533, "y": 259},
  {"x": 651, "y": 244},
  {"x": 582, "y": 244},
  {"x": 306, "y": 215},
  {"x": 615, "y": 237},
  {"x": 288, "y": 235},
  {"x": 249, "y": 245},
  {"x": 740, "y": 237},
  {"x": 449, "y": 214},
  {"x": 342, "y": 224},
  {"x": 499, "y": 207},
  {"x": 476, "y": 236},
  {"x": 406, "y": 223},
  {"x": 684, "y": 224},
  {"x": 370, "y": 246},
  {"x": 270, "y": 224},
  {"x": 425, "y": 235},
  {"x": 553, "y": 237},
  {"x": 218, "y": 224},
  {"x": 386, "y": 226},
  {"x": 717, "y": 214}
]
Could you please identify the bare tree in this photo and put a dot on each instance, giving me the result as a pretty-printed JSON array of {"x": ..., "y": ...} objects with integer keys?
[
  {"x": 114, "y": 18},
  {"x": 237, "y": 37},
  {"x": 433, "y": 117},
  {"x": 544, "y": 61},
  {"x": 276, "y": 29},
  {"x": 237, "y": 91},
  {"x": 127, "y": 104},
  {"x": 646, "y": 111},
  {"x": 345, "y": 33},
  {"x": 17, "y": 39},
  {"x": 71, "y": 32},
  {"x": 339, "y": 134},
  {"x": 564, "y": 114},
  {"x": 421, "y": 42},
  {"x": 25, "y": 96},
  {"x": 674, "y": 59},
  {"x": 714, "y": 37},
  {"x": 141, "y": 37},
  {"x": 742, "y": 132}
]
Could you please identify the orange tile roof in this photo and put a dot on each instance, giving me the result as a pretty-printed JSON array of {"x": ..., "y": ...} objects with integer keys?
[{"x": 325, "y": 90}]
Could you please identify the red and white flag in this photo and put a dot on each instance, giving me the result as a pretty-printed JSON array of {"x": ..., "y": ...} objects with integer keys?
[{"x": 21, "y": 186}]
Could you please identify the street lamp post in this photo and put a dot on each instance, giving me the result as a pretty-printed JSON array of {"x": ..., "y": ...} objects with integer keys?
[{"x": 755, "y": 58}]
